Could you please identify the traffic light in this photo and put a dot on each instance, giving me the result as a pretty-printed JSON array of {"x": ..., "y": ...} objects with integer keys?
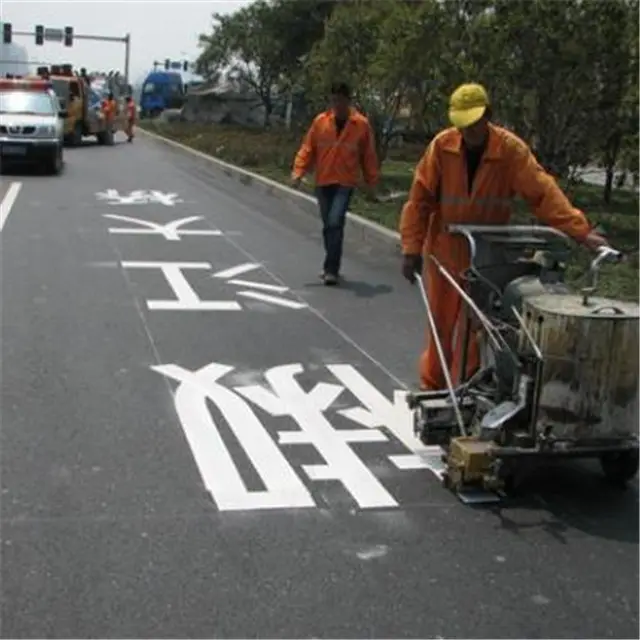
[
  {"x": 39, "y": 34},
  {"x": 68, "y": 36},
  {"x": 167, "y": 64},
  {"x": 185, "y": 66},
  {"x": 6, "y": 33}
]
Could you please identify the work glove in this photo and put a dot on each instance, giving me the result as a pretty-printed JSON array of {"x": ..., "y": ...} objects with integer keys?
[{"x": 411, "y": 264}]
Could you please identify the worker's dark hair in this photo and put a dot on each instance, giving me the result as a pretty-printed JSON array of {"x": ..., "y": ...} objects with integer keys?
[{"x": 341, "y": 89}]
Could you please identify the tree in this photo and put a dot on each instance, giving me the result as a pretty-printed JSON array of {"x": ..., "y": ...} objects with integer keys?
[
  {"x": 247, "y": 44},
  {"x": 348, "y": 52},
  {"x": 555, "y": 69},
  {"x": 615, "y": 56}
]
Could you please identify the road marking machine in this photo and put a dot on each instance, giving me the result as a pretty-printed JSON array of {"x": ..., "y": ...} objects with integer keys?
[{"x": 558, "y": 375}]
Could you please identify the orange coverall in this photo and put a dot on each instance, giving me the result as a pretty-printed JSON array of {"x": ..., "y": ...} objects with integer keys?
[
  {"x": 109, "y": 110},
  {"x": 131, "y": 118},
  {"x": 440, "y": 195},
  {"x": 338, "y": 159}
]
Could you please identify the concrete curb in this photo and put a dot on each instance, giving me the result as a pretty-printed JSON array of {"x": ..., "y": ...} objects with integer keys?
[{"x": 357, "y": 227}]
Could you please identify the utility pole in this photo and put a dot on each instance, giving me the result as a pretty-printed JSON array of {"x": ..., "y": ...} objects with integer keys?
[{"x": 68, "y": 36}]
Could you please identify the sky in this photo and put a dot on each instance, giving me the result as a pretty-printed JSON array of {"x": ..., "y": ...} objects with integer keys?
[{"x": 159, "y": 30}]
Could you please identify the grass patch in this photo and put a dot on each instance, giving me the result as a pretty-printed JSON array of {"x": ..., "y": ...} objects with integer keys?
[{"x": 270, "y": 153}]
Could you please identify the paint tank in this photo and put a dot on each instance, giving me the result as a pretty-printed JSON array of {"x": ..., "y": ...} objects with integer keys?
[{"x": 590, "y": 376}]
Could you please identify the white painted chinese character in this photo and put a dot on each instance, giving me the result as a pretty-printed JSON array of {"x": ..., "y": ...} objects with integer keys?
[
  {"x": 171, "y": 231},
  {"x": 287, "y": 398},
  {"x": 113, "y": 197},
  {"x": 378, "y": 411},
  {"x": 283, "y": 488},
  {"x": 248, "y": 285},
  {"x": 167, "y": 199},
  {"x": 186, "y": 298}
]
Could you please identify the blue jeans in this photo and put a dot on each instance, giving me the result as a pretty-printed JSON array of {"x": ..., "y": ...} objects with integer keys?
[{"x": 334, "y": 202}]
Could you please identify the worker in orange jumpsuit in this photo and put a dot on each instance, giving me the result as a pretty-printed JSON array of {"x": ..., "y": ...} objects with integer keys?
[
  {"x": 131, "y": 117},
  {"x": 109, "y": 109},
  {"x": 469, "y": 175},
  {"x": 339, "y": 144}
]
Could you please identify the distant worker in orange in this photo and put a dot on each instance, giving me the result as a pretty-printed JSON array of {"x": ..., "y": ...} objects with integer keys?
[
  {"x": 131, "y": 117},
  {"x": 339, "y": 144},
  {"x": 469, "y": 174},
  {"x": 109, "y": 107}
]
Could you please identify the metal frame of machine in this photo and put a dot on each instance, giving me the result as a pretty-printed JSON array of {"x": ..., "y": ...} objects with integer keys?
[{"x": 491, "y": 424}]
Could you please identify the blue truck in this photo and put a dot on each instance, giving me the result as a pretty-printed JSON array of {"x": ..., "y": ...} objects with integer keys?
[{"x": 161, "y": 90}]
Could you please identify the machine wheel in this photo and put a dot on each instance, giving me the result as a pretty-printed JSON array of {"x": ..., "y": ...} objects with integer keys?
[{"x": 619, "y": 468}]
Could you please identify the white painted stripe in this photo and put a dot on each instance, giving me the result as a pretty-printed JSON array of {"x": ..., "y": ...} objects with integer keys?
[
  {"x": 8, "y": 201},
  {"x": 236, "y": 271},
  {"x": 407, "y": 461},
  {"x": 160, "y": 265},
  {"x": 263, "y": 297},
  {"x": 260, "y": 285},
  {"x": 346, "y": 435},
  {"x": 199, "y": 305}
]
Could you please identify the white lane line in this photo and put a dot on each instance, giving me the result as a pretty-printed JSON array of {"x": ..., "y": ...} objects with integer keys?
[
  {"x": 259, "y": 285},
  {"x": 291, "y": 304},
  {"x": 236, "y": 271},
  {"x": 8, "y": 201}
]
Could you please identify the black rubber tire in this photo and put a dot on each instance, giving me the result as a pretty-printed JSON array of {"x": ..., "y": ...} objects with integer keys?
[
  {"x": 55, "y": 163},
  {"x": 76, "y": 136},
  {"x": 105, "y": 138},
  {"x": 620, "y": 468}
]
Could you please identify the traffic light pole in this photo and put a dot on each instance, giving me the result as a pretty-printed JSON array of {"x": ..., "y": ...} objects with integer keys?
[{"x": 77, "y": 36}]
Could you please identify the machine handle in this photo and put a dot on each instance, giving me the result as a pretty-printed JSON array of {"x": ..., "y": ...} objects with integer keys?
[
  {"x": 616, "y": 310},
  {"x": 603, "y": 254}
]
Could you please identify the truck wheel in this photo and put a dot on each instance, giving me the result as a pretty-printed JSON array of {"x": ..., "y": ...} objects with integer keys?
[
  {"x": 619, "y": 468},
  {"x": 76, "y": 136},
  {"x": 105, "y": 137}
]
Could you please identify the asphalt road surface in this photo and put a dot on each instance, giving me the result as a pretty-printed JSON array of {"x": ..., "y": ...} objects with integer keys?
[{"x": 199, "y": 440}]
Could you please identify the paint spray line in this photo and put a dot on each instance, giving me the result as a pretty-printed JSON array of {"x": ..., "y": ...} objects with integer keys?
[{"x": 8, "y": 201}]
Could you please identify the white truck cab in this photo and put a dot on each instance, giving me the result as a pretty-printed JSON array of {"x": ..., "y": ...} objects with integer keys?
[{"x": 31, "y": 124}]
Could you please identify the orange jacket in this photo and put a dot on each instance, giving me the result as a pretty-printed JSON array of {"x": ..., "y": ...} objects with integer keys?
[
  {"x": 439, "y": 194},
  {"x": 131, "y": 111},
  {"x": 338, "y": 160},
  {"x": 109, "y": 108}
]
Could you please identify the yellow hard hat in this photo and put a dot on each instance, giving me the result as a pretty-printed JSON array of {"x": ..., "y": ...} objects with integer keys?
[{"x": 467, "y": 105}]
